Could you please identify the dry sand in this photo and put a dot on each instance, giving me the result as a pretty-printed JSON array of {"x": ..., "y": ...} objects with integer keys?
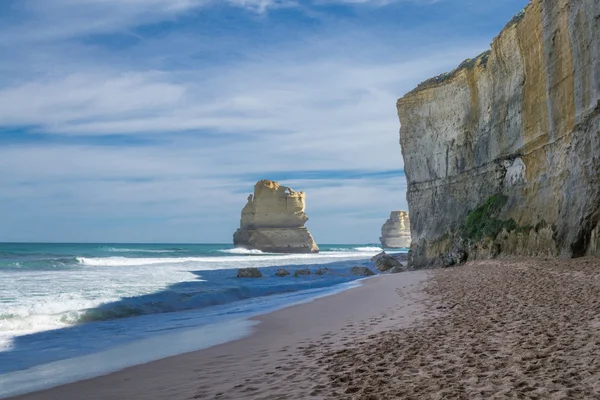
[
  {"x": 518, "y": 329},
  {"x": 521, "y": 329}
]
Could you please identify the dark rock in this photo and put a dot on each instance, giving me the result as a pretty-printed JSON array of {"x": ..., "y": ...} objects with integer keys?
[
  {"x": 376, "y": 256},
  {"x": 301, "y": 272},
  {"x": 455, "y": 257},
  {"x": 361, "y": 271},
  {"x": 385, "y": 262},
  {"x": 249, "y": 273},
  {"x": 282, "y": 272},
  {"x": 323, "y": 271}
]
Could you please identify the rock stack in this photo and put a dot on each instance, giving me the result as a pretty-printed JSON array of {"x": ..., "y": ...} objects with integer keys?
[
  {"x": 273, "y": 221},
  {"x": 395, "y": 233}
]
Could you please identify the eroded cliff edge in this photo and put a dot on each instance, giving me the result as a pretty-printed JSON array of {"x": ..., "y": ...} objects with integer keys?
[
  {"x": 273, "y": 221},
  {"x": 502, "y": 155}
]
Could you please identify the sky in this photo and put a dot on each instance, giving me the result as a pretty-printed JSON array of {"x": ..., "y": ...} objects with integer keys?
[{"x": 151, "y": 120}]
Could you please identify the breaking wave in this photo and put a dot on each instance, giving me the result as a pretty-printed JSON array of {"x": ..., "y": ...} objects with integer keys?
[
  {"x": 240, "y": 250},
  {"x": 94, "y": 285},
  {"x": 369, "y": 249},
  {"x": 59, "y": 312},
  {"x": 265, "y": 259},
  {"x": 134, "y": 261}
]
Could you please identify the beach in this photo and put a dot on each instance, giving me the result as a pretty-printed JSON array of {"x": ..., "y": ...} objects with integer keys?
[
  {"x": 279, "y": 360},
  {"x": 300, "y": 199},
  {"x": 70, "y": 312},
  {"x": 521, "y": 328}
]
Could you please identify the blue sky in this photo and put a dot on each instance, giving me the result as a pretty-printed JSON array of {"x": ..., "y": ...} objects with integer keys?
[{"x": 151, "y": 120}]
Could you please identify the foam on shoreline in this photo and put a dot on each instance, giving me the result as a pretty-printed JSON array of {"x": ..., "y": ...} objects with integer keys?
[
  {"x": 172, "y": 343},
  {"x": 153, "y": 348}
]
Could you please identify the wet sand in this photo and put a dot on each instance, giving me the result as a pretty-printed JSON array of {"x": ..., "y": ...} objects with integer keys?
[
  {"x": 511, "y": 329},
  {"x": 278, "y": 361}
]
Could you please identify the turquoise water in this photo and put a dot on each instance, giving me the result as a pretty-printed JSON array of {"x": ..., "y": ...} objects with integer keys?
[{"x": 62, "y": 302}]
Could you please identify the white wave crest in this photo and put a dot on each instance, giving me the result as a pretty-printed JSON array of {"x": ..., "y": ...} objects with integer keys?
[
  {"x": 132, "y": 262},
  {"x": 241, "y": 250},
  {"x": 23, "y": 321},
  {"x": 211, "y": 263},
  {"x": 369, "y": 249},
  {"x": 61, "y": 299}
]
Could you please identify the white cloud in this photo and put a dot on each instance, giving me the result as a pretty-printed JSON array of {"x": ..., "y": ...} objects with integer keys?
[
  {"x": 106, "y": 186},
  {"x": 374, "y": 2},
  {"x": 265, "y": 116},
  {"x": 51, "y": 20},
  {"x": 325, "y": 102},
  {"x": 272, "y": 95},
  {"x": 83, "y": 96},
  {"x": 48, "y": 21},
  {"x": 261, "y": 6}
]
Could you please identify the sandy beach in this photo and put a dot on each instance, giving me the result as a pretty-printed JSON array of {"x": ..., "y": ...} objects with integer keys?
[{"x": 522, "y": 329}]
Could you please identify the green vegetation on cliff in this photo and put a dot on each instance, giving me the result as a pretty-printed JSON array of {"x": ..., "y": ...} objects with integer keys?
[{"x": 483, "y": 221}]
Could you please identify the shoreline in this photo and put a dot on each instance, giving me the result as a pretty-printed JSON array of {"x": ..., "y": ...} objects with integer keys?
[
  {"x": 280, "y": 334},
  {"x": 491, "y": 329},
  {"x": 152, "y": 348},
  {"x": 83, "y": 351}
]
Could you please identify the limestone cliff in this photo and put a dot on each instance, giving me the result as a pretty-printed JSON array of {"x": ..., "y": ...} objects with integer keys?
[
  {"x": 395, "y": 233},
  {"x": 273, "y": 221},
  {"x": 502, "y": 155}
]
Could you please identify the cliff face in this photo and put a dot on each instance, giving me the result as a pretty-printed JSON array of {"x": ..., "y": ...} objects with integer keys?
[
  {"x": 395, "y": 233},
  {"x": 273, "y": 221},
  {"x": 502, "y": 156}
]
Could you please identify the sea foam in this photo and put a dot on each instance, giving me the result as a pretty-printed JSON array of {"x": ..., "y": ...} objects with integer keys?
[
  {"x": 370, "y": 249},
  {"x": 52, "y": 289},
  {"x": 241, "y": 250},
  {"x": 264, "y": 259},
  {"x": 73, "y": 369}
]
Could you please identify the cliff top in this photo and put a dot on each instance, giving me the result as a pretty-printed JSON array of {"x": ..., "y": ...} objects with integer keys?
[
  {"x": 515, "y": 20},
  {"x": 469, "y": 63}
]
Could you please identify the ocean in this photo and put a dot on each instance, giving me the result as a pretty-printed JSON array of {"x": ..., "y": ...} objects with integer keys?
[{"x": 73, "y": 311}]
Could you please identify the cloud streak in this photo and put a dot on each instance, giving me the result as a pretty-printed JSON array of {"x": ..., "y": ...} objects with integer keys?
[{"x": 151, "y": 120}]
